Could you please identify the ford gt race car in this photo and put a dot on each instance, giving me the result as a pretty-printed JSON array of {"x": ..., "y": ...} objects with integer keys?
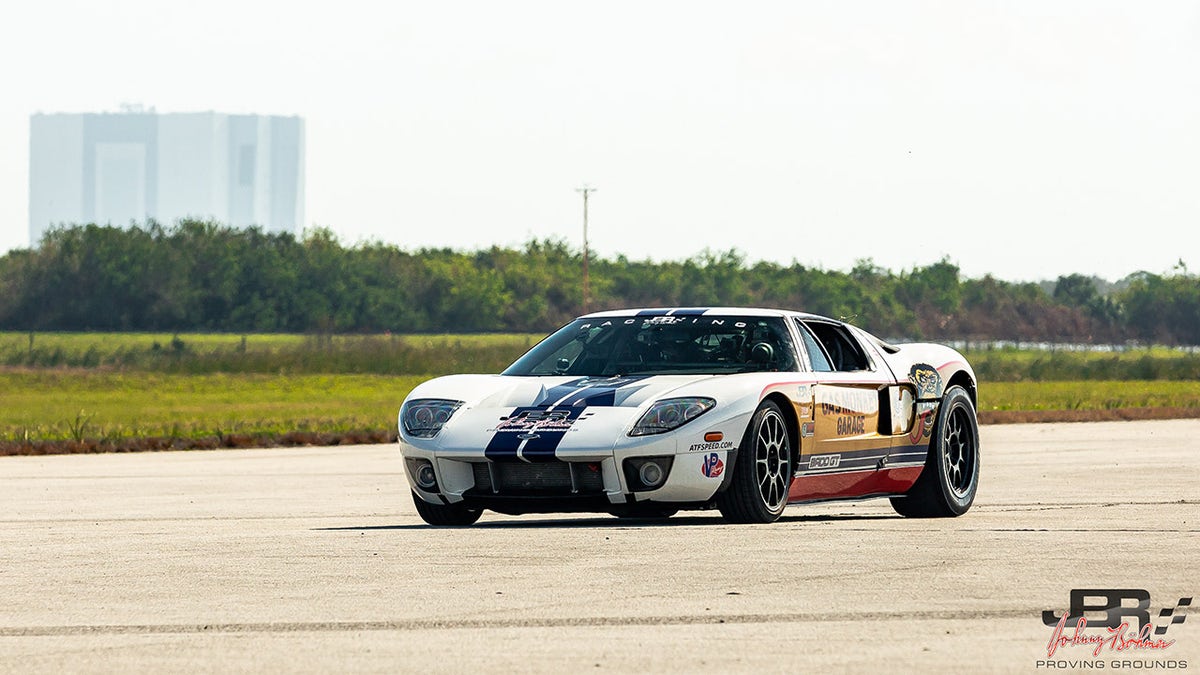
[{"x": 641, "y": 413}]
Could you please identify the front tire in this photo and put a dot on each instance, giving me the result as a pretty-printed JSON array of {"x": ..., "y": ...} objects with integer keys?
[
  {"x": 762, "y": 473},
  {"x": 445, "y": 515},
  {"x": 947, "y": 485}
]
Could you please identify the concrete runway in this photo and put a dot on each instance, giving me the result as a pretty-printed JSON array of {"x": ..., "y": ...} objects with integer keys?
[{"x": 315, "y": 560}]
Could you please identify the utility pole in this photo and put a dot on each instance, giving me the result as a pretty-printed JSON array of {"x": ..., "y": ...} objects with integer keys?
[{"x": 585, "y": 190}]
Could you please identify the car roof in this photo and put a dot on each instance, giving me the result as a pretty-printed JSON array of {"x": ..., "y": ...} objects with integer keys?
[{"x": 702, "y": 311}]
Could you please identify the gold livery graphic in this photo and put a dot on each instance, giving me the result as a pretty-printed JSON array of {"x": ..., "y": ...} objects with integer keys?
[{"x": 846, "y": 412}]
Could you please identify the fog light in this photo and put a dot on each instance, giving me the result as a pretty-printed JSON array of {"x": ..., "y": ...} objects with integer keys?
[
  {"x": 651, "y": 474},
  {"x": 426, "y": 478},
  {"x": 647, "y": 473}
]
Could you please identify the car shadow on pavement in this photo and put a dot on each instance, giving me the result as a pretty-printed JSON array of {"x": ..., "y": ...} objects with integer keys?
[
  {"x": 563, "y": 523},
  {"x": 836, "y": 517},
  {"x": 606, "y": 522}
]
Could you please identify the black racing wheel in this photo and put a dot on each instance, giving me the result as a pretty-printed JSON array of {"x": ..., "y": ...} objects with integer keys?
[
  {"x": 762, "y": 472},
  {"x": 950, "y": 479}
]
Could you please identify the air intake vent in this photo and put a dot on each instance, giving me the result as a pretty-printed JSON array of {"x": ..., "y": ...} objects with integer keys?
[{"x": 537, "y": 478}]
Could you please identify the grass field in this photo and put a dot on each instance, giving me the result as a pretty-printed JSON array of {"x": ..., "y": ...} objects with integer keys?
[
  {"x": 199, "y": 353},
  {"x": 1094, "y": 395},
  {"x": 108, "y": 343},
  {"x": 77, "y": 405},
  {"x": 70, "y": 404},
  {"x": 1152, "y": 363},
  {"x": 110, "y": 387}
]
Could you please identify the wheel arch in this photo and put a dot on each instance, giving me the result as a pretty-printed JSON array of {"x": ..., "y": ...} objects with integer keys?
[
  {"x": 932, "y": 495},
  {"x": 792, "y": 422},
  {"x": 964, "y": 380}
]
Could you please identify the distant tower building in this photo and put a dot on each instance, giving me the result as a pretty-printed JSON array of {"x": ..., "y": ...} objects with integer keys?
[{"x": 114, "y": 168}]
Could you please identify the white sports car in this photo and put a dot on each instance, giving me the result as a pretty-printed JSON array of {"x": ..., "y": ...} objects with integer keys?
[{"x": 641, "y": 413}]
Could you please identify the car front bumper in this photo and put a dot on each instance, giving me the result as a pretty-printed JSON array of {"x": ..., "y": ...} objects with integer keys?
[{"x": 582, "y": 476}]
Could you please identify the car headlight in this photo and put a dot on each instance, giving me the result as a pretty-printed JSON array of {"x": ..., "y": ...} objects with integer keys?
[
  {"x": 671, "y": 413},
  {"x": 424, "y": 417}
]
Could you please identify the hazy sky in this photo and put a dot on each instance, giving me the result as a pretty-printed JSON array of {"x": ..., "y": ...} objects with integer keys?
[{"x": 1023, "y": 140}]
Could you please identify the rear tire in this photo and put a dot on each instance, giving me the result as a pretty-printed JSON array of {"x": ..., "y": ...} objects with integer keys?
[
  {"x": 947, "y": 485},
  {"x": 762, "y": 472},
  {"x": 445, "y": 515}
]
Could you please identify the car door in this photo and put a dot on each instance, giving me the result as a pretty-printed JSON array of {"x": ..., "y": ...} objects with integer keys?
[{"x": 852, "y": 431}]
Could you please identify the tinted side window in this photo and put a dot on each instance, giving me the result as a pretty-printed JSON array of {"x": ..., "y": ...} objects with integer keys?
[
  {"x": 845, "y": 354},
  {"x": 816, "y": 353}
]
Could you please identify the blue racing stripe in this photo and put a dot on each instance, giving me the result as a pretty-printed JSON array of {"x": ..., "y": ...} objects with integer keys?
[
  {"x": 588, "y": 392},
  {"x": 506, "y": 439},
  {"x": 535, "y": 432},
  {"x": 561, "y": 391},
  {"x": 543, "y": 447}
]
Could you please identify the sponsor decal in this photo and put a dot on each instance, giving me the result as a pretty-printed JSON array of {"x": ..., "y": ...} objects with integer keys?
[
  {"x": 533, "y": 433},
  {"x": 1125, "y": 631},
  {"x": 824, "y": 461},
  {"x": 848, "y": 401},
  {"x": 530, "y": 433},
  {"x": 674, "y": 317},
  {"x": 713, "y": 445},
  {"x": 527, "y": 419},
  {"x": 868, "y": 459},
  {"x": 661, "y": 320},
  {"x": 927, "y": 380},
  {"x": 806, "y": 429},
  {"x": 712, "y": 467},
  {"x": 853, "y": 425},
  {"x": 849, "y": 406}
]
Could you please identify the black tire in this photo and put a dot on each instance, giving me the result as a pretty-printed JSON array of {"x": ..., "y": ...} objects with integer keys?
[
  {"x": 762, "y": 472},
  {"x": 950, "y": 479},
  {"x": 445, "y": 515}
]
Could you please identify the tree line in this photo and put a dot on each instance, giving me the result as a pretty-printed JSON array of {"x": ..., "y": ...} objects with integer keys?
[{"x": 204, "y": 276}]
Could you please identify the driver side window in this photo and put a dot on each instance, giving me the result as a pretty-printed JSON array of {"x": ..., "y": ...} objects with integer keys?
[
  {"x": 841, "y": 351},
  {"x": 816, "y": 353}
]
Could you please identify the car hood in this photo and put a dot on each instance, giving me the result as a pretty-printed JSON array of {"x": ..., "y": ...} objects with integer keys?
[
  {"x": 501, "y": 391},
  {"x": 551, "y": 414}
]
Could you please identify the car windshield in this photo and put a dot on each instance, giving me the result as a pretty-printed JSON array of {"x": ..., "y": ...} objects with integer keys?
[{"x": 661, "y": 345}]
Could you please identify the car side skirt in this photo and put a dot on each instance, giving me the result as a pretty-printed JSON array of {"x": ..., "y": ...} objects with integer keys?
[{"x": 853, "y": 484}]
